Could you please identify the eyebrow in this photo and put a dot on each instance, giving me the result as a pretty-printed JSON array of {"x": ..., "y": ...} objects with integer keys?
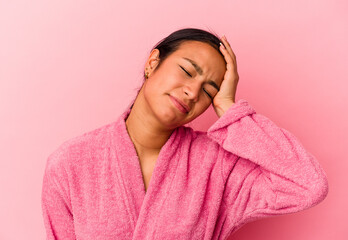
[{"x": 200, "y": 72}]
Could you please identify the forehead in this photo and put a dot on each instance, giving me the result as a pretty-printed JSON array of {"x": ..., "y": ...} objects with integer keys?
[
  {"x": 191, "y": 46},
  {"x": 200, "y": 52},
  {"x": 206, "y": 56}
]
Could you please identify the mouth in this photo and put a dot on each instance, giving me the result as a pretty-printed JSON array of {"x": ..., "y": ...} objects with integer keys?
[{"x": 180, "y": 105}]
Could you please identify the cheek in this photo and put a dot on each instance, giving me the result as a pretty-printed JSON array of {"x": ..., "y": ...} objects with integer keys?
[
  {"x": 166, "y": 84},
  {"x": 200, "y": 108},
  {"x": 152, "y": 85},
  {"x": 205, "y": 107},
  {"x": 161, "y": 85},
  {"x": 155, "y": 89},
  {"x": 149, "y": 92}
]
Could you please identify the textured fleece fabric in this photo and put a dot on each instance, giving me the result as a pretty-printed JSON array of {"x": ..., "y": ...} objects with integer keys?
[{"x": 205, "y": 185}]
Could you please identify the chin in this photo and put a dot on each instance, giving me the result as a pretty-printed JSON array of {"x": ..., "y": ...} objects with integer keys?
[{"x": 165, "y": 114}]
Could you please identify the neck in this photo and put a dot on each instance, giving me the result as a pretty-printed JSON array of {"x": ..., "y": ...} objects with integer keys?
[{"x": 145, "y": 131}]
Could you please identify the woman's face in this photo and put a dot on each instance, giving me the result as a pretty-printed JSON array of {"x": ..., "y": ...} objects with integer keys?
[{"x": 178, "y": 78}]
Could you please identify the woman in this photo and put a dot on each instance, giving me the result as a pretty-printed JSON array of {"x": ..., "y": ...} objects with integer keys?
[{"x": 147, "y": 176}]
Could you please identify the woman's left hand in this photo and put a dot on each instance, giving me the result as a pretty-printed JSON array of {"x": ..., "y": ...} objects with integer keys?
[{"x": 225, "y": 98}]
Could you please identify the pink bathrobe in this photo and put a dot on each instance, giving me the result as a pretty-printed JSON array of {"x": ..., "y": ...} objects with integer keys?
[{"x": 205, "y": 185}]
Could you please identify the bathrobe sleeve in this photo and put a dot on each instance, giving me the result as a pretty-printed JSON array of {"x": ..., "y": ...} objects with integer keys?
[
  {"x": 55, "y": 200},
  {"x": 270, "y": 171}
]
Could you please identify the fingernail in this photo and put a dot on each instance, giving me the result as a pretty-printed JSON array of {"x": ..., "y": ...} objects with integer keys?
[{"x": 222, "y": 45}]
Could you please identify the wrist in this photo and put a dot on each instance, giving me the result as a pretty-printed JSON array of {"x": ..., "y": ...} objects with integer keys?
[{"x": 223, "y": 107}]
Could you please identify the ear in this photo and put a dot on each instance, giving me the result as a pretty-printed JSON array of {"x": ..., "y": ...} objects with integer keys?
[{"x": 152, "y": 61}]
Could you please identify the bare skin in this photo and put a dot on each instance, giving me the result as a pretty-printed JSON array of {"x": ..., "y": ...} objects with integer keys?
[{"x": 154, "y": 115}]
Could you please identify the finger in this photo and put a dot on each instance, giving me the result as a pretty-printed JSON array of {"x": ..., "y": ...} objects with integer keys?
[
  {"x": 226, "y": 54},
  {"x": 228, "y": 46},
  {"x": 229, "y": 60},
  {"x": 229, "y": 50}
]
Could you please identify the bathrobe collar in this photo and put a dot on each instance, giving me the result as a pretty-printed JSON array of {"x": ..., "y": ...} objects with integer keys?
[{"x": 140, "y": 204}]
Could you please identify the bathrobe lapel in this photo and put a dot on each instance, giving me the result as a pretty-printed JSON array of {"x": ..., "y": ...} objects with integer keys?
[{"x": 142, "y": 205}]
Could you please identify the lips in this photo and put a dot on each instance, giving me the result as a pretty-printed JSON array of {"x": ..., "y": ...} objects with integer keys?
[{"x": 185, "y": 106}]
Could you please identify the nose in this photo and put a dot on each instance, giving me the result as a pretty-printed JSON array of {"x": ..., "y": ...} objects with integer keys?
[{"x": 192, "y": 91}]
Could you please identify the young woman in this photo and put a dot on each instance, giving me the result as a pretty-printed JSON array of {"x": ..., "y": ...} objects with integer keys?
[{"x": 147, "y": 176}]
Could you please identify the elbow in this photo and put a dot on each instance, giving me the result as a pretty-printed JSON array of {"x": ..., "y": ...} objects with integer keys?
[
  {"x": 318, "y": 185},
  {"x": 318, "y": 191}
]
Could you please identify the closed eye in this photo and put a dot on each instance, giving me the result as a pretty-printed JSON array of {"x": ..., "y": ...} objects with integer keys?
[
  {"x": 191, "y": 76},
  {"x": 207, "y": 93},
  {"x": 185, "y": 71}
]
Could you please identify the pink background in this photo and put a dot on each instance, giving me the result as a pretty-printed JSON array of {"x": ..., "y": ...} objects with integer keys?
[{"x": 68, "y": 67}]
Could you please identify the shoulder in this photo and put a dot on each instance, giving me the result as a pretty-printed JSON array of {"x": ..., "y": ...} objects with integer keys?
[
  {"x": 199, "y": 140},
  {"x": 79, "y": 149}
]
